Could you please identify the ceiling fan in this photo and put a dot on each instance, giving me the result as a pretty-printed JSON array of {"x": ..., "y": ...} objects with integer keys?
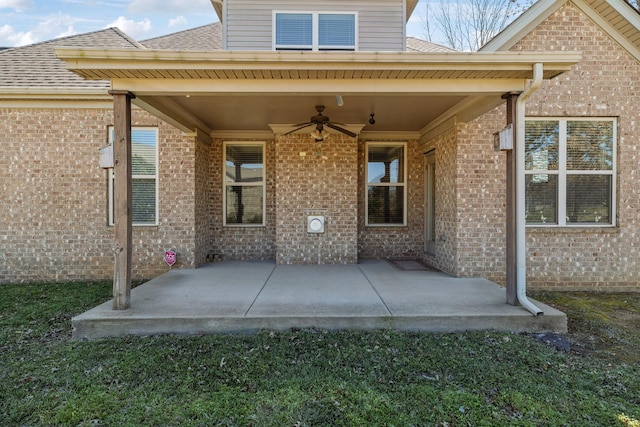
[{"x": 320, "y": 121}]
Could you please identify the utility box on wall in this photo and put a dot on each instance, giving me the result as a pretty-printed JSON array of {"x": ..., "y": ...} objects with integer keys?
[
  {"x": 503, "y": 140},
  {"x": 315, "y": 224},
  {"x": 106, "y": 157}
]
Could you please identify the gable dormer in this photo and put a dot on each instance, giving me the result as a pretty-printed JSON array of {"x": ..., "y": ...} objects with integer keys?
[{"x": 353, "y": 25}]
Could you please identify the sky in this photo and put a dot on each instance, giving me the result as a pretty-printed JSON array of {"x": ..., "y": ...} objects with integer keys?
[{"x": 24, "y": 22}]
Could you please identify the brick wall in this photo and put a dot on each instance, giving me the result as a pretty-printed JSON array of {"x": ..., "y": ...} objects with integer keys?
[
  {"x": 481, "y": 184},
  {"x": 602, "y": 84},
  {"x": 316, "y": 179},
  {"x": 53, "y": 214},
  {"x": 446, "y": 253},
  {"x": 395, "y": 242},
  {"x": 242, "y": 243},
  {"x": 203, "y": 200}
]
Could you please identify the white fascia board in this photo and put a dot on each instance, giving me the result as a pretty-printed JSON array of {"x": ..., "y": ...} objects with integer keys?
[
  {"x": 129, "y": 59},
  {"x": 625, "y": 11},
  {"x": 345, "y": 87},
  {"x": 35, "y": 92}
]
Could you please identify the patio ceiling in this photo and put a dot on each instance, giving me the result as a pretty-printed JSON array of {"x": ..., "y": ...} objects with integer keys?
[{"x": 253, "y": 91}]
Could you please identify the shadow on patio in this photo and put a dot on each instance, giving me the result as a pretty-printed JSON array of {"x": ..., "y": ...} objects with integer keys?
[{"x": 237, "y": 296}]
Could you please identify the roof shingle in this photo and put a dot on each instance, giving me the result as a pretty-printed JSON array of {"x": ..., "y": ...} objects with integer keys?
[
  {"x": 204, "y": 38},
  {"x": 418, "y": 45},
  {"x": 37, "y": 66}
]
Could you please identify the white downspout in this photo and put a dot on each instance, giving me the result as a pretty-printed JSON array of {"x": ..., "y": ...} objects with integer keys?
[{"x": 521, "y": 242}]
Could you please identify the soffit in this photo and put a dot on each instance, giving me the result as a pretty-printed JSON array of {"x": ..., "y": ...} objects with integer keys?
[{"x": 249, "y": 91}]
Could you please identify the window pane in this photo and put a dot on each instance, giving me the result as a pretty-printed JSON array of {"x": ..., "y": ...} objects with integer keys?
[
  {"x": 588, "y": 198},
  {"x": 244, "y": 163},
  {"x": 143, "y": 159},
  {"x": 541, "y": 145},
  {"x": 294, "y": 29},
  {"x": 143, "y": 171},
  {"x": 244, "y": 204},
  {"x": 143, "y": 195},
  {"x": 541, "y": 198},
  {"x": 337, "y": 30},
  {"x": 385, "y": 164},
  {"x": 590, "y": 145},
  {"x": 386, "y": 205}
]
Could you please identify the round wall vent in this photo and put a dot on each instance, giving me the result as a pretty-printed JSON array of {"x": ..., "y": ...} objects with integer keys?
[{"x": 315, "y": 224}]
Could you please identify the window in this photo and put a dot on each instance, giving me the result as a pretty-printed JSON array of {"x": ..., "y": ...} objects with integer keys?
[
  {"x": 244, "y": 184},
  {"x": 570, "y": 171},
  {"x": 144, "y": 177},
  {"x": 314, "y": 31},
  {"x": 386, "y": 184}
]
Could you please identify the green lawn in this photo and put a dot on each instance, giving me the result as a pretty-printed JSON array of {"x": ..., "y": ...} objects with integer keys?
[{"x": 315, "y": 378}]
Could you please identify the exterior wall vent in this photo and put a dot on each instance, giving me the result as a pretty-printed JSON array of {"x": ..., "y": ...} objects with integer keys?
[{"x": 315, "y": 224}]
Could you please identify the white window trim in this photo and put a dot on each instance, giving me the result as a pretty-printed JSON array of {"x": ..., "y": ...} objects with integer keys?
[
  {"x": 155, "y": 177},
  {"x": 315, "y": 32},
  {"x": 244, "y": 184},
  {"x": 562, "y": 173},
  {"x": 389, "y": 184}
]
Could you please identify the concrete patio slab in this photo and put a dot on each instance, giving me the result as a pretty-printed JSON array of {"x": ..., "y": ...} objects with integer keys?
[
  {"x": 318, "y": 290},
  {"x": 230, "y": 297}
]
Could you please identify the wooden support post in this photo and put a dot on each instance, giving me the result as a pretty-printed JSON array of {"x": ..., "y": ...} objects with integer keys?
[
  {"x": 512, "y": 167},
  {"x": 122, "y": 199}
]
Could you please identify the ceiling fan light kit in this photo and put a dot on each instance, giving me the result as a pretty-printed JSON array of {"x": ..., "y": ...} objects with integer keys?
[
  {"x": 319, "y": 135},
  {"x": 320, "y": 121}
]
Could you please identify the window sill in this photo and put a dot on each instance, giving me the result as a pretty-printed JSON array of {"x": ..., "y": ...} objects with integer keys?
[{"x": 569, "y": 229}]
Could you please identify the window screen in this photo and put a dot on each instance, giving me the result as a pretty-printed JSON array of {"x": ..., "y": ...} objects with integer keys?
[
  {"x": 314, "y": 31},
  {"x": 336, "y": 31},
  {"x": 294, "y": 30}
]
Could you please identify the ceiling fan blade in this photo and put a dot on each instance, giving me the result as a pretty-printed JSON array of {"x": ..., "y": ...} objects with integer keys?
[
  {"x": 304, "y": 125},
  {"x": 339, "y": 129}
]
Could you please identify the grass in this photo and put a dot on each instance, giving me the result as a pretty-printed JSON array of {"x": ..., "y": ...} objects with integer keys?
[{"x": 313, "y": 377}]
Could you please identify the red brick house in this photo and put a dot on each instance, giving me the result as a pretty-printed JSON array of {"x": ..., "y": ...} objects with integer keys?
[{"x": 232, "y": 160}]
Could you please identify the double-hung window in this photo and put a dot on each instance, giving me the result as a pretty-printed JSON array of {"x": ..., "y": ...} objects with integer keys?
[
  {"x": 315, "y": 31},
  {"x": 570, "y": 170},
  {"x": 244, "y": 184},
  {"x": 386, "y": 184},
  {"x": 144, "y": 176}
]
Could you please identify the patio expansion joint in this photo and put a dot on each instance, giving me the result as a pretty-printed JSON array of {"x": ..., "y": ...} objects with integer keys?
[
  {"x": 376, "y": 291},
  {"x": 246, "y": 313}
]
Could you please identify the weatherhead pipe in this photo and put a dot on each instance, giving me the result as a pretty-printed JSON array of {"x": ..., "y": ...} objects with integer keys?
[{"x": 521, "y": 242}]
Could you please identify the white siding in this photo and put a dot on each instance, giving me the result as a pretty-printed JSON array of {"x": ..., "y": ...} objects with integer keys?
[{"x": 380, "y": 22}]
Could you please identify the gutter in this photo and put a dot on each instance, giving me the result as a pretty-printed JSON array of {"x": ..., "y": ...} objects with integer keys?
[{"x": 521, "y": 243}]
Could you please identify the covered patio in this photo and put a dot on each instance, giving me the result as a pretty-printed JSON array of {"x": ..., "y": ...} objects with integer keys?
[
  {"x": 241, "y": 296},
  {"x": 417, "y": 99}
]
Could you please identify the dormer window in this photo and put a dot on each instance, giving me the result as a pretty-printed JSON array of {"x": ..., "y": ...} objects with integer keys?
[{"x": 314, "y": 31}]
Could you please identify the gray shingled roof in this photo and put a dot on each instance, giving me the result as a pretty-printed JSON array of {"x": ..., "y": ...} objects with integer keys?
[
  {"x": 418, "y": 45},
  {"x": 37, "y": 66},
  {"x": 205, "y": 38}
]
